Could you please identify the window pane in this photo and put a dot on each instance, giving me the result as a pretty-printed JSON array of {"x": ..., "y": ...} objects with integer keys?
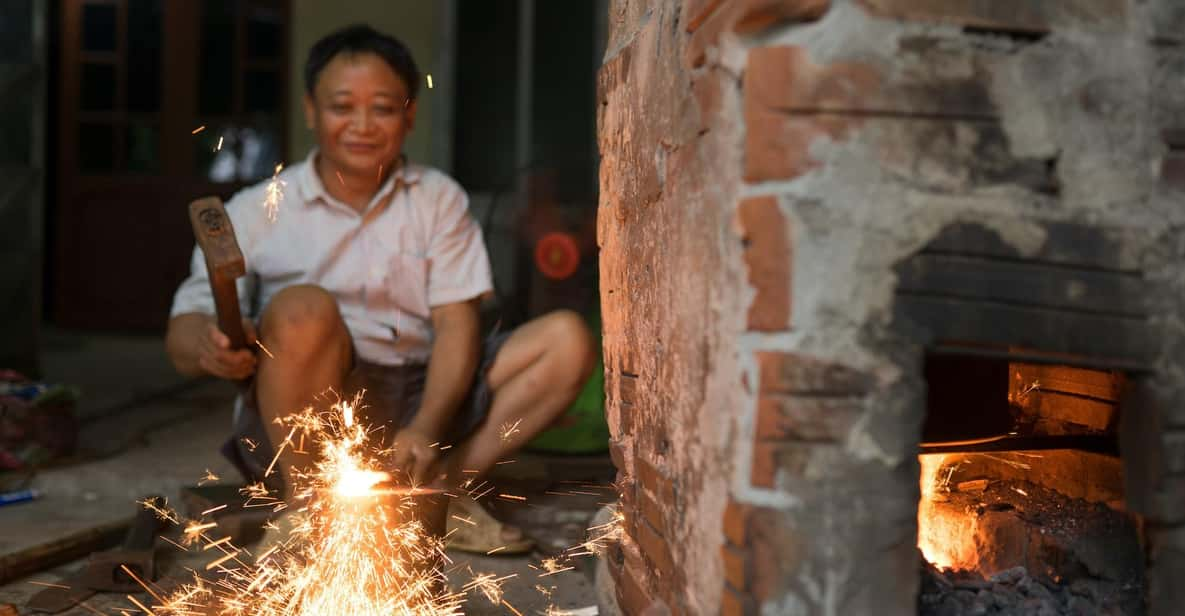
[
  {"x": 264, "y": 34},
  {"x": 259, "y": 148},
  {"x": 98, "y": 87},
  {"x": 261, "y": 91},
  {"x": 98, "y": 27},
  {"x": 96, "y": 147},
  {"x": 142, "y": 148},
  {"x": 144, "y": 52},
  {"x": 215, "y": 93},
  {"x": 248, "y": 152}
]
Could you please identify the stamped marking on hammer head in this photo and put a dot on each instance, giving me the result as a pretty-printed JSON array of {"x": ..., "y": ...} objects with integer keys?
[{"x": 215, "y": 235}]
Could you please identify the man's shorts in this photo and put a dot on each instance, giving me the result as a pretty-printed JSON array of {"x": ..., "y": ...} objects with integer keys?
[{"x": 390, "y": 401}]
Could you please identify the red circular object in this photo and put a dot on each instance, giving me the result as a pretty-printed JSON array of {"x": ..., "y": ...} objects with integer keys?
[{"x": 556, "y": 255}]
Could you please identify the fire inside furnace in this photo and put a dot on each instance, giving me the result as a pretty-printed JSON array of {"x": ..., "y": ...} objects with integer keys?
[{"x": 1022, "y": 504}]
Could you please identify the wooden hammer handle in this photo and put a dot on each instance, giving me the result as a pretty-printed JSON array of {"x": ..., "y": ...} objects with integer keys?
[
  {"x": 226, "y": 304},
  {"x": 215, "y": 235}
]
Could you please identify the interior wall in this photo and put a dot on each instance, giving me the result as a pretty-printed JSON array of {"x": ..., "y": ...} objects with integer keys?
[{"x": 417, "y": 24}]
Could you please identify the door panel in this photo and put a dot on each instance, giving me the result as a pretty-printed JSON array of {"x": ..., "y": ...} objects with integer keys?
[{"x": 136, "y": 79}]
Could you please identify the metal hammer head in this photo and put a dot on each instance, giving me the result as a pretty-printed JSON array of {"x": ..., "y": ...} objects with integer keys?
[{"x": 216, "y": 237}]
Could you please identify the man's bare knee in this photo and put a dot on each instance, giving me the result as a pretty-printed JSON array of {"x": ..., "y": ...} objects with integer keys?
[
  {"x": 572, "y": 346},
  {"x": 302, "y": 318}
]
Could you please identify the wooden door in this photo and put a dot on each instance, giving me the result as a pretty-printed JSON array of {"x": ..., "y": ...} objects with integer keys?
[{"x": 136, "y": 79}]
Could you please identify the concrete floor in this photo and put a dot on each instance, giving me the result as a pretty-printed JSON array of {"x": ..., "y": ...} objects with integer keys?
[{"x": 144, "y": 430}]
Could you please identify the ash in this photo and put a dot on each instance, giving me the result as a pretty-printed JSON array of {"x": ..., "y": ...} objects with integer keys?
[{"x": 1014, "y": 592}]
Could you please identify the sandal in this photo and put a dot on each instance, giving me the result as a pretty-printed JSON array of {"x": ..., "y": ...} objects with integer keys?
[{"x": 483, "y": 533}]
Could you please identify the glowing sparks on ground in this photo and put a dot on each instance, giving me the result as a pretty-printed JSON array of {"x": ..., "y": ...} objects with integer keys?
[
  {"x": 351, "y": 549},
  {"x": 273, "y": 195}
]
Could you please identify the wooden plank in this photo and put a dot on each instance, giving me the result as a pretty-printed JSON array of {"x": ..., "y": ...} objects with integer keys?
[
  {"x": 1065, "y": 244},
  {"x": 954, "y": 320},
  {"x": 63, "y": 549},
  {"x": 1030, "y": 283}
]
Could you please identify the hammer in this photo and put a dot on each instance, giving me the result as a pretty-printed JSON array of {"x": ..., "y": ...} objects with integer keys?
[{"x": 224, "y": 263}]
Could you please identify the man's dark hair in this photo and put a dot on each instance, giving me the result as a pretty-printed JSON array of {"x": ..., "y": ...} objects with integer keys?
[{"x": 356, "y": 39}]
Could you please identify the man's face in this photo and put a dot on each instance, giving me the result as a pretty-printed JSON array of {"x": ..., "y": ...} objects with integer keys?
[{"x": 360, "y": 113}]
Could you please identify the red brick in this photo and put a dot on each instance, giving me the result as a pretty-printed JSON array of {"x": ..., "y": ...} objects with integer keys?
[
  {"x": 613, "y": 73},
  {"x": 777, "y": 146},
  {"x": 772, "y": 457},
  {"x": 736, "y": 566},
  {"x": 767, "y": 257},
  {"x": 791, "y": 373},
  {"x": 806, "y": 418},
  {"x": 708, "y": 89},
  {"x": 632, "y": 596},
  {"x": 1172, "y": 170},
  {"x": 655, "y": 548},
  {"x": 659, "y": 484},
  {"x": 785, "y": 78},
  {"x": 617, "y": 454},
  {"x": 652, "y": 512},
  {"x": 1007, "y": 15},
  {"x": 764, "y": 470},
  {"x": 758, "y": 15},
  {"x": 696, "y": 11},
  {"x": 707, "y": 33},
  {"x": 736, "y": 523},
  {"x": 736, "y": 603}
]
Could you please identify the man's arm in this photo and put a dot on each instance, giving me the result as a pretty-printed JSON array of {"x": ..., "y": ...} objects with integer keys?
[
  {"x": 455, "y": 354},
  {"x": 197, "y": 347}
]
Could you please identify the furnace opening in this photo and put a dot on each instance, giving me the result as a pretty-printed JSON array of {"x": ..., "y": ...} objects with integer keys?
[{"x": 1022, "y": 498}]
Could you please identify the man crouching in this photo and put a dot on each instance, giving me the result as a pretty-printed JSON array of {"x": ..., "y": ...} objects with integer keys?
[{"x": 369, "y": 277}]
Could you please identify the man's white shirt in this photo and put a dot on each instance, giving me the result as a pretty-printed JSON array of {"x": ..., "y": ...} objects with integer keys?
[{"x": 414, "y": 247}]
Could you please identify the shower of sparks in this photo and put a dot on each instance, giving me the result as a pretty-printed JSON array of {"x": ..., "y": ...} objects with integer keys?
[
  {"x": 339, "y": 178},
  {"x": 350, "y": 548},
  {"x": 429, "y": 81},
  {"x": 508, "y": 430},
  {"x": 198, "y": 129},
  {"x": 263, "y": 348},
  {"x": 218, "y": 147},
  {"x": 273, "y": 194},
  {"x": 251, "y": 445},
  {"x": 350, "y": 551},
  {"x": 209, "y": 478}
]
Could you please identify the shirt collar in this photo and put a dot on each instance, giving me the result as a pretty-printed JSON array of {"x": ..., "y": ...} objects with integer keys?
[{"x": 312, "y": 189}]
